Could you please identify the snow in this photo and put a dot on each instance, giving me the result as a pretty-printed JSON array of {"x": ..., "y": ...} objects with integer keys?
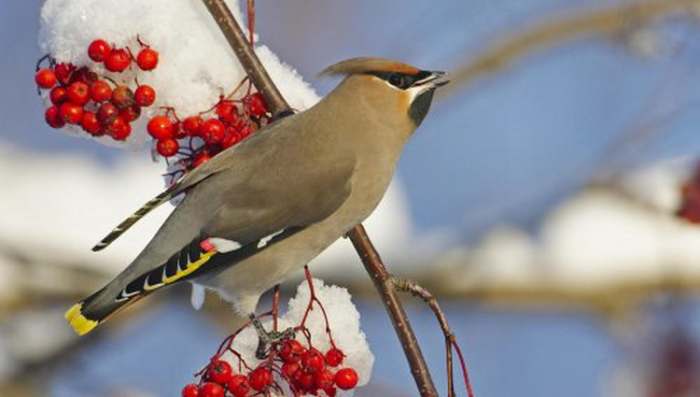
[
  {"x": 344, "y": 320},
  {"x": 196, "y": 63},
  {"x": 600, "y": 236}
]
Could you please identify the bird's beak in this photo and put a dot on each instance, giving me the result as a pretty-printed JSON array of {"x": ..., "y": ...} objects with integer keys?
[{"x": 433, "y": 80}]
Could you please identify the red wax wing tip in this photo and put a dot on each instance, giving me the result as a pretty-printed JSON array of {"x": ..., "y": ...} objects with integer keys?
[{"x": 207, "y": 246}]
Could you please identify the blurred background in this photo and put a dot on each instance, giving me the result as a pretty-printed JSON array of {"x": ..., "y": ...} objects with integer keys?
[{"x": 549, "y": 200}]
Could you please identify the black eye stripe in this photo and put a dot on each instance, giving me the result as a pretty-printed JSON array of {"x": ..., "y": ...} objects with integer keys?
[{"x": 398, "y": 80}]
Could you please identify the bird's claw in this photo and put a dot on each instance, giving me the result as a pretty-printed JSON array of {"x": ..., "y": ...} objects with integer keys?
[{"x": 266, "y": 338}]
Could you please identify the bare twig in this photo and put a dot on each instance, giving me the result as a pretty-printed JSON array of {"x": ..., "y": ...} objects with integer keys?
[
  {"x": 607, "y": 22},
  {"x": 261, "y": 79},
  {"x": 450, "y": 339}
]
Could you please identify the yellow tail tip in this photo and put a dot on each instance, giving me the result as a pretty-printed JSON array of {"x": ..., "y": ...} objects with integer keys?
[{"x": 81, "y": 325}]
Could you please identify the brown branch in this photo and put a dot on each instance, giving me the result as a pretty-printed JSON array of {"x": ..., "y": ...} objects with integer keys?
[
  {"x": 370, "y": 258},
  {"x": 384, "y": 284},
  {"x": 607, "y": 22},
  {"x": 275, "y": 307},
  {"x": 246, "y": 55},
  {"x": 450, "y": 340}
]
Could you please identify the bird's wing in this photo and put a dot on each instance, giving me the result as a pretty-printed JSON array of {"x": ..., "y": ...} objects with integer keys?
[
  {"x": 225, "y": 160},
  {"x": 247, "y": 210}
]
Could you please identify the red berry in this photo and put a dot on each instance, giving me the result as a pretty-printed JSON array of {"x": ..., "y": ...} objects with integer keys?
[
  {"x": 289, "y": 369},
  {"x": 118, "y": 60},
  {"x": 190, "y": 390},
  {"x": 53, "y": 117},
  {"x": 63, "y": 72},
  {"x": 245, "y": 131},
  {"x": 169, "y": 148},
  {"x": 160, "y": 127},
  {"x": 201, "y": 158},
  {"x": 230, "y": 138},
  {"x": 98, "y": 50},
  {"x": 255, "y": 105},
  {"x": 305, "y": 380},
  {"x": 192, "y": 125},
  {"x": 210, "y": 389},
  {"x": 213, "y": 131},
  {"x": 131, "y": 113},
  {"x": 107, "y": 113},
  {"x": 324, "y": 379},
  {"x": 313, "y": 361},
  {"x": 119, "y": 129},
  {"x": 58, "y": 95},
  {"x": 71, "y": 113},
  {"x": 45, "y": 78},
  {"x": 292, "y": 351},
  {"x": 227, "y": 112},
  {"x": 178, "y": 131},
  {"x": 78, "y": 93},
  {"x": 91, "y": 124},
  {"x": 219, "y": 371},
  {"x": 145, "y": 95},
  {"x": 238, "y": 385},
  {"x": 331, "y": 391},
  {"x": 147, "y": 59},
  {"x": 260, "y": 379},
  {"x": 83, "y": 75},
  {"x": 100, "y": 91},
  {"x": 346, "y": 378},
  {"x": 122, "y": 97},
  {"x": 334, "y": 357}
]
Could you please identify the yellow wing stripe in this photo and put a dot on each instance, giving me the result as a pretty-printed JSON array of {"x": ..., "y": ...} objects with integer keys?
[
  {"x": 80, "y": 324},
  {"x": 190, "y": 268}
]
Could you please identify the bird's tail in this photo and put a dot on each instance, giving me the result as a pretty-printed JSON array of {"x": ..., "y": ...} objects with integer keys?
[
  {"x": 87, "y": 314},
  {"x": 128, "y": 287}
]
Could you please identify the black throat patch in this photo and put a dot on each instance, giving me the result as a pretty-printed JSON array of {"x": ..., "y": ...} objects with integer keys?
[{"x": 420, "y": 106}]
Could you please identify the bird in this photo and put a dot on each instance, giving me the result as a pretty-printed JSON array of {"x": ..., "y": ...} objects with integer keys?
[{"x": 263, "y": 209}]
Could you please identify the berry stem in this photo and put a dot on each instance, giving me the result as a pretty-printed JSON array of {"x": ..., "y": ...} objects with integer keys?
[
  {"x": 41, "y": 60},
  {"x": 251, "y": 21},
  {"x": 314, "y": 299}
]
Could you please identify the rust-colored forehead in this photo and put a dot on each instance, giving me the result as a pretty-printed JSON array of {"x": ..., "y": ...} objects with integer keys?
[{"x": 368, "y": 65}]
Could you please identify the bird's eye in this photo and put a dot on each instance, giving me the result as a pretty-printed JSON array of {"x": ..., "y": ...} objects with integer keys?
[{"x": 398, "y": 80}]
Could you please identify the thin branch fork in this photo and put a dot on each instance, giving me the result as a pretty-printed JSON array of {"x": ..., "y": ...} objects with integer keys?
[
  {"x": 363, "y": 245},
  {"x": 450, "y": 340}
]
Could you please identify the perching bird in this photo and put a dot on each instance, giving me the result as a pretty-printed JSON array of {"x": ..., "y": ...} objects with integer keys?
[{"x": 264, "y": 208}]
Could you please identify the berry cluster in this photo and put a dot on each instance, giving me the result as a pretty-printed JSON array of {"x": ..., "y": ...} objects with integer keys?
[
  {"x": 199, "y": 137},
  {"x": 81, "y": 97},
  {"x": 304, "y": 370},
  {"x": 302, "y": 367}
]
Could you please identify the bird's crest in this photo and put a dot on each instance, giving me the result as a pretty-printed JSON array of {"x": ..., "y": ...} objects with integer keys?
[{"x": 368, "y": 65}]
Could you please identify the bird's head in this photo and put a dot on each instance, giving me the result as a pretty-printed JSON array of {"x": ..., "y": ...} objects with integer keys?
[{"x": 392, "y": 87}]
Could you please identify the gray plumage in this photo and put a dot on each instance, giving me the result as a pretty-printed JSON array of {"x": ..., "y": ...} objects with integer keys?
[{"x": 314, "y": 175}]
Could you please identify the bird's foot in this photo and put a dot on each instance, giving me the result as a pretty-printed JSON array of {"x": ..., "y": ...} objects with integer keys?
[{"x": 267, "y": 338}]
